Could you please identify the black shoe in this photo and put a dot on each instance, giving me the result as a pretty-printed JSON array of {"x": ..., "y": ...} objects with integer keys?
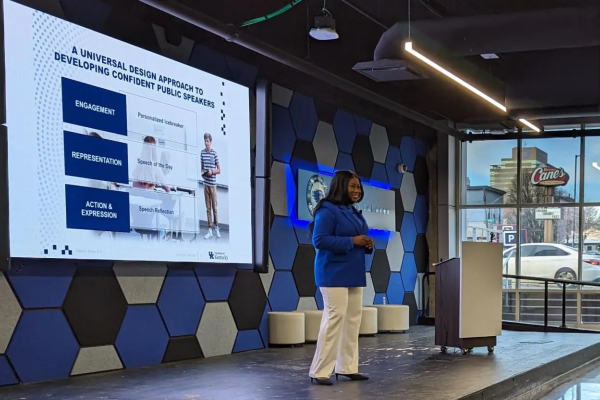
[
  {"x": 353, "y": 377},
  {"x": 321, "y": 381}
]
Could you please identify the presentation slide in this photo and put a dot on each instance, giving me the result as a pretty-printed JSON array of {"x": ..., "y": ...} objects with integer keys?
[{"x": 116, "y": 153}]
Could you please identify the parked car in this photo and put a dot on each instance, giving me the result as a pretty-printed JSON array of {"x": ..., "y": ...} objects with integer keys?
[{"x": 552, "y": 261}]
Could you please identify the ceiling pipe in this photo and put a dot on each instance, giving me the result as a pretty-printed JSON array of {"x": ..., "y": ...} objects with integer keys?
[{"x": 232, "y": 35}]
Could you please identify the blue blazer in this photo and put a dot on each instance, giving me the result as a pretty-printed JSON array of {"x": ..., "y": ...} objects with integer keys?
[{"x": 338, "y": 262}]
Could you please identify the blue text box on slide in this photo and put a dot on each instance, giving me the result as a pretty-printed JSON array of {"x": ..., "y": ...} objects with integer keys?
[
  {"x": 97, "y": 209},
  {"x": 94, "y": 107},
  {"x": 95, "y": 158}
]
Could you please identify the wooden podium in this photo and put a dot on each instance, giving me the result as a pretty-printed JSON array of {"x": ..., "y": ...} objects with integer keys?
[{"x": 468, "y": 299}]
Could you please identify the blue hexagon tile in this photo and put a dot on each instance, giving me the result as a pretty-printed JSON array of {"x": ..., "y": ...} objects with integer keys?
[
  {"x": 344, "y": 162},
  {"x": 181, "y": 302},
  {"x": 381, "y": 298},
  {"x": 379, "y": 175},
  {"x": 363, "y": 125},
  {"x": 381, "y": 238},
  {"x": 43, "y": 346},
  {"x": 408, "y": 151},
  {"x": 395, "y": 289},
  {"x": 421, "y": 147},
  {"x": 344, "y": 128},
  {"x": 42, "y": 283},
  {"x": 283, "y": 295},
  {"x": 303, "y": 233},
  {"x": 409, "y": 232},
  {"x": 304, "y": 116},
  {"x": 409, "y": 272},
  {"x": 248, "y": 340},
  {"x": 284, "y": 135},
  {"x": 7, "y": 375},
  {"x": 421, "y": 214},
  {"x": 368, "y": 261},
  {"x": 391, "y": 165},
  {"x": 215, "y": 280},
  {"x": 283, "y": 243},
  {"x": 264, "y": 325},
  {"x": 143, "y": 337},
  {"x": 319, "y": 299}
]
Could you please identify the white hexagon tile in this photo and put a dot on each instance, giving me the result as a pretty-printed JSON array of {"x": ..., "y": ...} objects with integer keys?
[
  {"x": 408, "y": 191},
  {"x": 395, "y": 252},
  {"x": 379, "y": 143}
]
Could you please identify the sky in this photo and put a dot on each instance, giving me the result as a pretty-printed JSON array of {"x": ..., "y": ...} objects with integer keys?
[{"x": 561, "y": 154}]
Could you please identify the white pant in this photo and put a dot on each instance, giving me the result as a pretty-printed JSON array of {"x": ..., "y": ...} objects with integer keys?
[{"x": 337, "y": 345}]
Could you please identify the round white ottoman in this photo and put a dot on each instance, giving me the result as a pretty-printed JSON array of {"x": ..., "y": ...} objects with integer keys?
[
  {"x": 312, "y": 323},
  {"x": 368, "y": 324},
  {"x": 392, "y": 318},
  {"x": 286, "y": 328}
]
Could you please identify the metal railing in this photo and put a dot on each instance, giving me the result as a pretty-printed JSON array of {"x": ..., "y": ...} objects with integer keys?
[{"x": 564, "y": 284}]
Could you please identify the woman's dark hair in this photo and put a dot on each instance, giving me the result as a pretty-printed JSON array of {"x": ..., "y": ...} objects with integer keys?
[{"x": 338, "y": 192}]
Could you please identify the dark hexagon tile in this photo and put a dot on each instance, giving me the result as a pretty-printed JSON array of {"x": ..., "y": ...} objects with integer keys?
[
  {"x": 209, "y": 60},
  {"x": 409, "y": 272},
  {"x": 380, "y": 271},
  {"x": 241, "y": 72},
  {"x": 127, "y": 23},
  {"x": 92, "y": 15},
  {"x": 422, "y": 254},
  {"x": 304, "y": 116},
  {"x": 325, "y": 111},
  {"x": 95, "y": 306},
  {"x": 264, "y": 325},
  {"x": 379, "y": 175},
  {"x": 247, "y": 300},
  {"x": 421, "y": 176},
  {"x": 411, "y": 302},
  {"x": 143, "y": 338},
  {"x": 303, "y": 234},
  {"x": 182, "y": 348},
  {"x": 409, "y": 232},
  {"x": 363, "y": 125},
  {"x": 303, "y": 271},
  {"x": 421, "y": 146},
  {"x": 421, "y": 213},
  {"x": 395, "y": 290},
  {"x": 391, "y": 165},
  {"x": 303, "y": 157},
  {"x": 344, "y": 162},
  {"x": 363, "y": 157},
  {"x": 283, "y": 243},
  {"x": 248, "y": 340},
  {"x": 181, "y": 302},
  {"x": 283, "y": 295},
  {"x": 408, "y": 150},
  {"x": 284, "y": 136},
  {"x": 345, "y": 130},
  {"x": 215, "y": 280},
  {"x": 399, "y": 209},
  {"x": 395, "y": 134}
]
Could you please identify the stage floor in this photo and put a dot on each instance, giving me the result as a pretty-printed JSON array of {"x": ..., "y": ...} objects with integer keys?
[{"x": 406, "y": 366}]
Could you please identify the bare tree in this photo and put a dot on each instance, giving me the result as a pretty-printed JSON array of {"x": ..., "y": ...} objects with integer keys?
[{"x": 530, "y": 194}]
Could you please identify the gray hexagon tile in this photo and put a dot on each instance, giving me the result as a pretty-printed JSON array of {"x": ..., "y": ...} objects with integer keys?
[
  {"x": 408, "y": 191},
  {"x": 307, "y": 304},
  {"x": 267, "y": 278},
  {"x": 369, "y": 292},
  {"x": 96, "y": 359},
  {"x": 179, "y": 53},
  {"x": 281, "y": 178},
  {"x": 395, "y": 252},
  {"x": 281, "y": 96},
  {"x": 379, "y": 143},
  {"x": 217, "y": 330},
  {"x": 10, "y": 311},
  {"x": 325, "y": 146},
  {"x": 140, "y": 282}
]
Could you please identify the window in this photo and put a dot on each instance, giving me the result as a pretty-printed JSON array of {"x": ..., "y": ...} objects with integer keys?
[
  {"x": 591, "y": 167},
  {"x": 488, "y": 224}
]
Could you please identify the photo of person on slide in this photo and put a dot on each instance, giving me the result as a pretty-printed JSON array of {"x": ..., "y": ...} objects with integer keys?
[
  {"x": 148, "y": 175},
  {"x": 210, "y": 167}
]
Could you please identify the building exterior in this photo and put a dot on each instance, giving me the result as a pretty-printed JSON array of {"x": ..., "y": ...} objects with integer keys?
[{"x": 502, "y": 176}]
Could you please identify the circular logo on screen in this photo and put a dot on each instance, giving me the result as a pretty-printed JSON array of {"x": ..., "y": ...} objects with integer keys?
[{"x": 316, "y": 189}]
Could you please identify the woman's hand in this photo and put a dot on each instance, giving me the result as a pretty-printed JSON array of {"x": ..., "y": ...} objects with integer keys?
[
  {"x": 371, "y": 244},
  {"x": 362, "y": 241}
]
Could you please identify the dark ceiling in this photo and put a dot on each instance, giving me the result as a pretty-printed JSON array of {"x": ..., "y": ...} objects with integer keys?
[{"x": 548, "y": 69}]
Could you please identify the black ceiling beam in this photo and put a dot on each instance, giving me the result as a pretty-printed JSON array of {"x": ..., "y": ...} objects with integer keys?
[
  {"x": 229, "y": 33},
  {"x": 571, "y": 133}
]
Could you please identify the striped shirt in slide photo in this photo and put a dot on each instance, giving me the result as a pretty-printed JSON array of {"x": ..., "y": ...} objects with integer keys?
[{"x": 209, "y": 160}]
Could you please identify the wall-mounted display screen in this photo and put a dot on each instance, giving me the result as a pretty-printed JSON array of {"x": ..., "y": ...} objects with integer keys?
[{"x": 116, "y": 153}]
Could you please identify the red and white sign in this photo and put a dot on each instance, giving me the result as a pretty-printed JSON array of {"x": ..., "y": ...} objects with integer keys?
[{"x": 549, "y": 176}]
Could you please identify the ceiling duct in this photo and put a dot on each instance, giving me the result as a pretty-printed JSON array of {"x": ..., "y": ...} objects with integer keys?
[{"x": 388, "y": 70}]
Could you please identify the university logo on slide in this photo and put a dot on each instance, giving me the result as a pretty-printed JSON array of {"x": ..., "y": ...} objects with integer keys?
[
  {"x": 219, "y": 255},
  {"x": 316, "y": 189}
]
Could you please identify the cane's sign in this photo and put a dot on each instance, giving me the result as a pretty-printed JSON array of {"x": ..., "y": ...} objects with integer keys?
[{"x": 549, "y": 176}]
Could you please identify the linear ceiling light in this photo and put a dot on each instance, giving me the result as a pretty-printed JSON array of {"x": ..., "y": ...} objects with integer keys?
[{"x": 408, "y": 46}]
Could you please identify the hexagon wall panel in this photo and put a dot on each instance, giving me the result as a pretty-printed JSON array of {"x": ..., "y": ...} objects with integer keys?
[
  {"x": 409, "y": 232},
  {"x": 217, "y": 332},
  {"x": 395, "y": 291},
  {"x": 410, "y": 301},
  {"x": 179, "y": 53},
  {"x": 42, "y": 283},
  {"x": 421, "y": 147},
  {"x": 368, "y": 262},
  {"x": 93, "y": 15},
  {"x": 283, "y": 243},
  {"x": 283, "y": 295},
  {"x": 140, "y": 282},
  {"x": 391, "y": 165},
  {"x": 283, "y": 189},
  {"x": 421, "y": 176},
  {"x": 421, "y": 214},
  {"x": 344, "y": 162},
  {"x": 304, "y": 116},
  {"x": 181, "y": 302},
  {"x": 247, "y": 300},
  {"x": 399, "y": 206},
  {"x": 216, "y": 281},
  {"x": 303, "y": 271},
  {"x": 422, "y": 254},
  {"x": 10, "y": 311},
  {"x": 284, "y": 136},
  {"x": 240, "y": 72},
  {"x": 143, "y": 338},
  {"x": 52, "y": 7},
  {"x": 96, "y": 359},
  {"x": 95, "y": 306},
  {"x": 248, "y": 340},
  {"x": 379, "y": 175},
  {"x": 182, "y": 348},
  {"x": 363, "y": 125},
  {"x": 408, "y": 192},
  {"x": 380, "y": 271},
  {"x": 307, "y": 304},
  {"x": 43, "y": 346},
  {"x": 344, "y": 128},
  {"x": 409, "y": 272},
  {"x": 7, "y": 375},
  {"x": 395, "y": 252},
  {"x": 408, "y": 151},
  {"x": 281, "y": 96},
  {"x": 303, "y": 233},
  {"x": 267, "y": 279},
  {"x": 379, "y": 143},
  {"x": 369, "y": 292},
  {"x": 362, "y": 157},
  {"x": 264, "y": 326},
  {"x": 325, "y": 147}
]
